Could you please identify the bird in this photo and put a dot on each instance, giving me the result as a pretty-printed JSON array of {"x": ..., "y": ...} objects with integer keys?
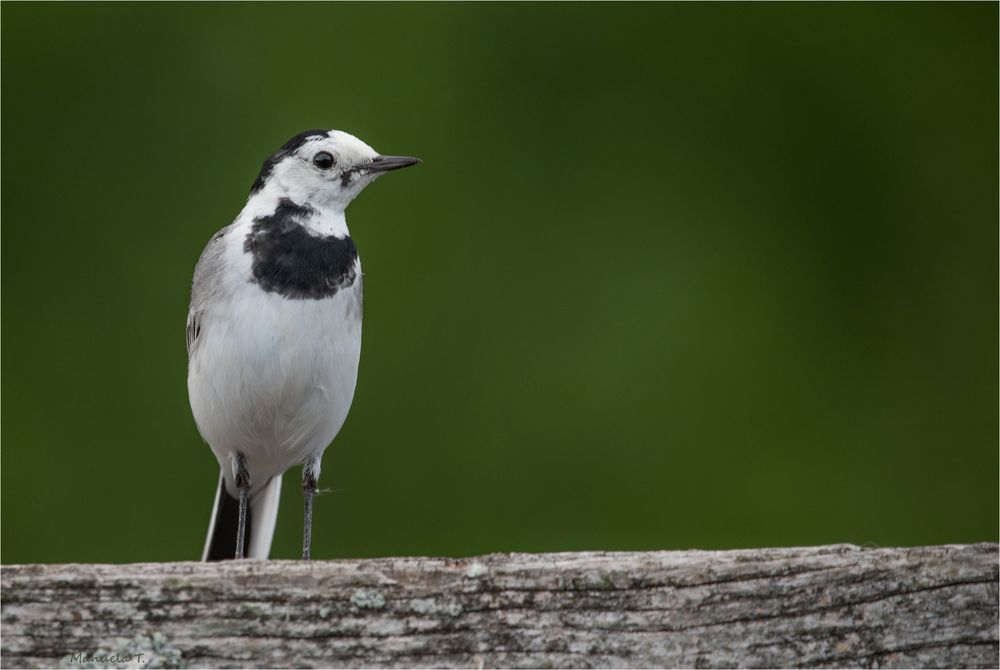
[{"x": 274, "y": 333}]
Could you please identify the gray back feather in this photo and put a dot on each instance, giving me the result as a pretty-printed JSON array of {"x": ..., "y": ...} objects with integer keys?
[{"x": 207, "y": 286}]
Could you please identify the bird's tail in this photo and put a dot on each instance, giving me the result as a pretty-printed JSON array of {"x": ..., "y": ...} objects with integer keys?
[{"x": 262, "y": 514}]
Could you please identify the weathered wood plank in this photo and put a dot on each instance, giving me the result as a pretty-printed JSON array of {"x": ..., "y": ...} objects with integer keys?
[{"x": 818, "y": 607}]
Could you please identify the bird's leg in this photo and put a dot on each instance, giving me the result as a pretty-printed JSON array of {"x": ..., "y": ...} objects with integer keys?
[
  {"x": 310, "y": 473},
  {"x": 242, "y": 477}
]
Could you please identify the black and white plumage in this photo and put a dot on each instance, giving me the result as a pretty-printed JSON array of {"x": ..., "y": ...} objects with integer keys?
[{"x": 274, "y": 332}]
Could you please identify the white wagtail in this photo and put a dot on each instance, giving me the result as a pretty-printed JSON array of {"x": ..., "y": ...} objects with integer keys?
[{"x": 274, "y": 333}]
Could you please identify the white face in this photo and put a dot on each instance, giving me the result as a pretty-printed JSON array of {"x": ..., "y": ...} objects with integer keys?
[{"x": 326, "y": 169}]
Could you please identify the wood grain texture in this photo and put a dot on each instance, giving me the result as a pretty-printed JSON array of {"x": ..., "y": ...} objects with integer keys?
[{"x": 819, "y": 607}]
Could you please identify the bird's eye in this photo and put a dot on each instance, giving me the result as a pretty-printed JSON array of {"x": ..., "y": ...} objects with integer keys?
[{"x": 323, "y": 160}]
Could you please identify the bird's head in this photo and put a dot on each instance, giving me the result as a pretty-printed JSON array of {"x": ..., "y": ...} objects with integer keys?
[{"x": 324, "y": 168}]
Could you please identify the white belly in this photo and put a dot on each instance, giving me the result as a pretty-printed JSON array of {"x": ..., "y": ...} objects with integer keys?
[{"x": 274, "y": 378}]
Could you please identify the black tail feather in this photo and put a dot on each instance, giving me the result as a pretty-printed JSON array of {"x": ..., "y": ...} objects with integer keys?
[{"x": 222, "y": 546}]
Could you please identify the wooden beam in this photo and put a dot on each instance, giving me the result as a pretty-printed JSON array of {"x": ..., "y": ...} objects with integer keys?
[{"x": 830, "y": 606}]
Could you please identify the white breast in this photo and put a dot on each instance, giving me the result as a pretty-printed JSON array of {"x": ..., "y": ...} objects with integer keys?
[{"x": 273, "y": 378}]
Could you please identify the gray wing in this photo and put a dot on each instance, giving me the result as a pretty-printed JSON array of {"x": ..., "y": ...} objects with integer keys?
[{"x": 207, "y": 286}]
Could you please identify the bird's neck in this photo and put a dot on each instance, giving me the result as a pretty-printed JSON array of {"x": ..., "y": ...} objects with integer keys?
[
  {"x": 320, "y": 219},
  {"x": 326, "y": 222}
]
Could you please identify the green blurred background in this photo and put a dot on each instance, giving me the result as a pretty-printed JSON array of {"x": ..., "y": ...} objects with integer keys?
[{"x": 671, "y": 276}]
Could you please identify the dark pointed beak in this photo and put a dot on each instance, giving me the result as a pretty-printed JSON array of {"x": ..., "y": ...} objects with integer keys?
[{"x": 387, "y": 163}]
